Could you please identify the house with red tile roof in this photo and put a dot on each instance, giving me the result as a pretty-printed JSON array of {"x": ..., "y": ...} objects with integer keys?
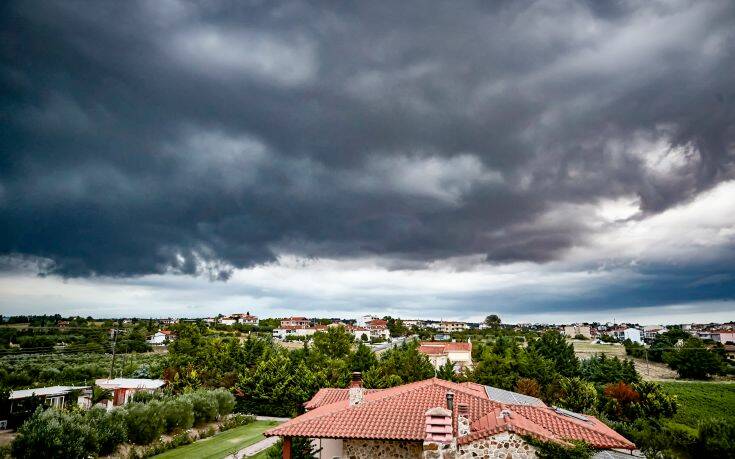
[
  {"x": 441, "y": 352},
  {"x": 295, "y": 322},
  {"x": 435, "y": 419},
  {"x": 378, "y": 329}
]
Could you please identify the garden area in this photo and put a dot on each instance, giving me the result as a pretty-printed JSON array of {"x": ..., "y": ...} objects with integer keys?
[{"x": 223, "y": 444}]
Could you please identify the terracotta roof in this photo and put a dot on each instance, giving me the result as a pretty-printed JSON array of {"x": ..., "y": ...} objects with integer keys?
[
  {"x": 328, "y": 395},
  {"x": 439, "y": 347},
  {"x": 378, "y": 323},
  {"x": 398, "y": 413}
]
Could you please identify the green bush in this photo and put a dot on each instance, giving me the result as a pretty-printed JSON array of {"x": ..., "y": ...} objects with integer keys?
[
  {"x": 144, "y": 421},
  {"x": 236, "y": 420},
  {"x": 225, "y": 401},
  {"x": 110, "y": 428},
  {"x": 716, "y": 438},
  {"x": 205, "y": 406},
  {"x": 178, "y": 413},
  {"x": 55, "y": 434}
]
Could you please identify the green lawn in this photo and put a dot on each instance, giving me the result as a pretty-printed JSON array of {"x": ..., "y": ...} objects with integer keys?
[
  {"x": 700, "y": 400},
  {"x": 222, "y": 445}
]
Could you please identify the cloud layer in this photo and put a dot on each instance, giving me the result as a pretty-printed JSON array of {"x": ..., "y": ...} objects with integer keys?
[{"x": 155, "y": 138}]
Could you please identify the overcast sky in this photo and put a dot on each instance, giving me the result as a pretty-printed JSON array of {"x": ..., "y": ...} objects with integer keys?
[{"x": 545, "y": 161}]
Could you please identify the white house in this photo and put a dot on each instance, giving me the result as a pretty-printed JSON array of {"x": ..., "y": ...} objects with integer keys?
[
  {"x": 162, "y": 337},
  {"x": 363, "y": 321},
  {"x": 283, "y": 332},
  {"x": 633, "y": 334},
  {"x": 460, "y": 354}
]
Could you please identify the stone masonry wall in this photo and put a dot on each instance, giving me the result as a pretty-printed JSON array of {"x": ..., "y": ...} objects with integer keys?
[
  {"x": 501, "y": 446},
  {"x": 380, "y": 449}
]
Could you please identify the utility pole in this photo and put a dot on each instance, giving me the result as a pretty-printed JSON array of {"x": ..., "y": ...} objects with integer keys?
[{"x": 114, "y": 340}]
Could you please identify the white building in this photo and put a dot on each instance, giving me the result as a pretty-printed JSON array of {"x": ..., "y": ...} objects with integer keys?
[
  {"x": 460, "y": 354},
  {"x": 451, "y": 327},
  {"x": 283, "y": 332},
  {"x": 363, "y": 321},
  {"x": 162, "y": 337},
  {"x": 378, "y": 329},
  {"x": 633, "y": 334}
]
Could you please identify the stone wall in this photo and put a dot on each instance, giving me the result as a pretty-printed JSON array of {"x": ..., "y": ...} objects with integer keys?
[
  {"x": 501, "y": 446},
  {"x": 381, "y": 449}
]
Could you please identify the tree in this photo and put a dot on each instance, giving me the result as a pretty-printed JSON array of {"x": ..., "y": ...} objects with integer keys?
[
  {"x": 554, "y": 347},
  {"x": 528, "y": 386},
  {"x": 277, "y": 386},
  {"x": 654, "y": 402},
  {"x": 601, "y": 369},
  {"x": 577, "y": 394},
  {"x": 362, "y": 359},
  {"x": 492, "y": 321},
  {"x": 301, "y": 448},
  {"x": 336, "y": 342},
  {"x": 693, "y": 360},
  {"x": 621, "y": 401},
  {"x": 446, "y": 371},
  {"x": 397, "y": 366},
  {"x": 495, "y": 370}
]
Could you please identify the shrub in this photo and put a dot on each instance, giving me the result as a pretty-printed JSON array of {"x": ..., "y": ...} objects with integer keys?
[
  {"x": 225, "y": 401},
  {"x": 144, "y": 421},
  {"x": 553, "y": 450},
  {"x": 111, "y": 428},
  {"x": 54, "y": 434},
  {"x": 178, "y": 413},
  {"x": 528, "y": 386},
  {"x": 716, "y": 438},
  {"x": 621, "y": 401},
  {"x": 577, "y": 394},
  {"x": 205, "y": 406},
  {"x": 236, "y": 421},
  {"x": 143, "y": 396}
]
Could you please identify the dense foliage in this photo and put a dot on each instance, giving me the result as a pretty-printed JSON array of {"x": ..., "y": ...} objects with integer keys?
[{"x": 74, "y": 434}]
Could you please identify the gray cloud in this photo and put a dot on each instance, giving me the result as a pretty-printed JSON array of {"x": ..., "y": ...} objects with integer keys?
[{"x": 154, "y": 137}]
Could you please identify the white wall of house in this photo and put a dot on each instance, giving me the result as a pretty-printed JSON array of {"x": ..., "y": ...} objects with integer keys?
[{"x": 633, "y": 334}]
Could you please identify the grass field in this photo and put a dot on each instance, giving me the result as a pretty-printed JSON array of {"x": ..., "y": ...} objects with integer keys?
[
  {"x": 222, "y": 445},
  {"x": 700, "y": 400}
]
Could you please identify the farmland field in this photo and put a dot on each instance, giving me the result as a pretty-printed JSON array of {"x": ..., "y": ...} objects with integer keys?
[{"x": 701, "y": 400}]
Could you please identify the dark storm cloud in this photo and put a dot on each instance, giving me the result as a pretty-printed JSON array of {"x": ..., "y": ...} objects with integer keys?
[{"x": 166, "y": 137}]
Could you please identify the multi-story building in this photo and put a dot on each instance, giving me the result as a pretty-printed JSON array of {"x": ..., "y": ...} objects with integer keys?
[
  {"x": 295, "y": 322},
  {"x": 451, "y": 327},
  {"x": 378, "y": 329}
]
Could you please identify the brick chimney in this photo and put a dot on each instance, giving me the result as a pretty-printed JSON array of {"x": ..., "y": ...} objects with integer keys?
[
  {"x": 463, "y": 419},
  {"x": 357, "y": 393}
]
